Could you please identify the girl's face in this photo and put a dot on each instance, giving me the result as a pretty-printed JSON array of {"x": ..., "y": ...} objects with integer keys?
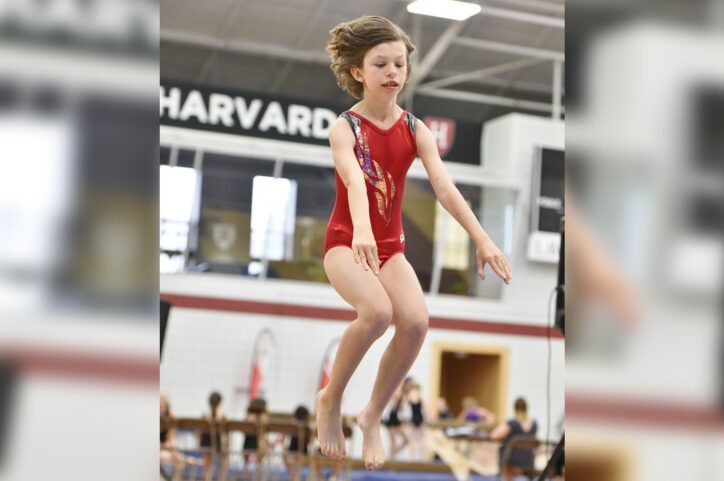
[{"x": 384, "y": 69}]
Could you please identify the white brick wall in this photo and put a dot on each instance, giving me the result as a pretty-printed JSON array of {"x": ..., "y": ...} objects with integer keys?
[
  {"x": 206, "y": 350},
  {"x": 508, "y": 151}
]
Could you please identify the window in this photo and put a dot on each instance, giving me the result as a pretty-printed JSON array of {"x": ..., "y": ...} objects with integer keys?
[
  {"x": 457, "y": 263},
  {"x": 176, "y": 194},
  {"x": 418, "y": 222},
  {"x": 292, "y": 203},
  {"x": 224, "y": 231},
  {"x": 315, "y": 200},
  {"x": 273, "y": 209}
]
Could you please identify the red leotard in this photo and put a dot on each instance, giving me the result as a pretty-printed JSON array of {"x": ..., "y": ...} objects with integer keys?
[{"x": 385, "y": 157}]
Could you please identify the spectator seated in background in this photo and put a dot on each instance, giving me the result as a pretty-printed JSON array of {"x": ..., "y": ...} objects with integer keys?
[
  {"x": 520, "y": 459},
  {"x": 443, "y": 411},
  {"x": 473, "y": 413}
]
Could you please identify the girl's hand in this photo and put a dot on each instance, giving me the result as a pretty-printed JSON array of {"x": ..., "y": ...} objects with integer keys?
[
  {"x": 487, "y": 252},
  {"x": 364, "y": 249}
]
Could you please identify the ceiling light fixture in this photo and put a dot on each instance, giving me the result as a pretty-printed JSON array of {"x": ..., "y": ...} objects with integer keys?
[{"x": 444, "y": 8}]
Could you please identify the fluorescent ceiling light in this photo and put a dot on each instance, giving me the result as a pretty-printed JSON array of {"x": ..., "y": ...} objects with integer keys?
[{"x": 444, "y": 8}]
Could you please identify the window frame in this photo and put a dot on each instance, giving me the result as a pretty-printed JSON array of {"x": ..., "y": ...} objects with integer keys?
[{"x": 280, "y": 152}]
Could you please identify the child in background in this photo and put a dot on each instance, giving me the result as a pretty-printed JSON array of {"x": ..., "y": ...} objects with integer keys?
[
  {"x": 254, "y": 448},
  {"x": 416, "y": 427},
  {"x": 394, "y": 424},
  {"x": 216, "y": 444},
  {"x": 169, "y": 454},
  {"x": 298, "y": 444}
]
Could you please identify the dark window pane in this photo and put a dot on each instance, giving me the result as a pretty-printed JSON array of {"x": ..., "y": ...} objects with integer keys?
[
  {"x": 185, "y": 158},
  {"x": 494, "y": 209},
  {"x": 418, "y": 222},
  {"x": 164, "y": 155},
  {"x": 224, "y": 221},
  {"x": 316, "y": 193}
]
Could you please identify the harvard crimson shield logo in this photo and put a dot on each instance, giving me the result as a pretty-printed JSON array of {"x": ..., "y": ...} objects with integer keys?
[{"x": 443, "y": 131}]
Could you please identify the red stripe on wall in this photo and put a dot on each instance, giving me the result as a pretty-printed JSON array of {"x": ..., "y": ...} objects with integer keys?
[
  {"x": 61, "y": 363},
  {"x": 328, "y": 313},
  {"x": 639, "y": 412}
]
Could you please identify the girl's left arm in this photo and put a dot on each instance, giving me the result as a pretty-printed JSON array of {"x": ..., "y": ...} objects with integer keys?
[{"x": 451, "y": 199}]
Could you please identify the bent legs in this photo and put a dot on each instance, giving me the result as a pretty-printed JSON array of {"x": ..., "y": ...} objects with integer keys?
[
  {"x": 365, "y": 293},
  {"x": 375, "y": 298},
  {"x": 411, "y": 321}
]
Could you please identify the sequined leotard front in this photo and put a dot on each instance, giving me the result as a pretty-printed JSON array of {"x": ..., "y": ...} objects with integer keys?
[{"x": 384, "y": 156}]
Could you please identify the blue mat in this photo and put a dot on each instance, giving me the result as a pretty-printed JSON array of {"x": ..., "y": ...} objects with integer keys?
[
  {"x": 194, "y": 472},
  {"x": 410, "y": 476}
]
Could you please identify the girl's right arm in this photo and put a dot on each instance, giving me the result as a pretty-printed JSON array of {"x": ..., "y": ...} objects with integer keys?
[
  {"x": 500, "y": 432},
  {"x": 364, "y": 248}
]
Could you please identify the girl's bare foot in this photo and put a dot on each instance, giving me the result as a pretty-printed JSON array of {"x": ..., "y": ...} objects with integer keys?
[
  {"x": 373, "y": 453},
  {"x": 329, "y": 427}
]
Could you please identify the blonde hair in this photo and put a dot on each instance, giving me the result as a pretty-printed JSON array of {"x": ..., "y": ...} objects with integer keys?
[{"x": 351, "y": 41}]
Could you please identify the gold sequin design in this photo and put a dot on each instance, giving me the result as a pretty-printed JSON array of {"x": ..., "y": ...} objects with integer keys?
[{"x": 376, "y": 176}]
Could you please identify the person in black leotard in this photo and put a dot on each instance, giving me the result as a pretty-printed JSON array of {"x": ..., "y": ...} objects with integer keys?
[
  {"x": 394, "y": 425},
  {"x": 416, "y": 427},
  {"x": 298, "y": 444},
  {"x": 254, "y": 448},
  {"x": 218, "y": 442},
  {"x": 521, "y": 424}
]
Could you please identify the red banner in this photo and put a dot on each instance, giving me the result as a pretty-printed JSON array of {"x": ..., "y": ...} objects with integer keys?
[
  {"x": 261, "y": 362},
  {"x": 328, "y": 362}
]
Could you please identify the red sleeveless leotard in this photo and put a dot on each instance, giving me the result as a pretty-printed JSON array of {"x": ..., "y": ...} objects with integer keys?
[{"x": 385, "y": 157}]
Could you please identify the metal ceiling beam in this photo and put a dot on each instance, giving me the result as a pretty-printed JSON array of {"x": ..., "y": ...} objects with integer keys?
[
  {"x": 241, "y": 46},
  {"x": 509, "y": 48},
  {"x": 207, "y": 67},
  {"x": 519, "y": 16},
  {"x": 309, "y": 27},
  {"x": 433, "y": 55},
  {"x": 500, "y": 82},
  {"x": 480, "y": 73},
  {"x": 485, "y": 99}
]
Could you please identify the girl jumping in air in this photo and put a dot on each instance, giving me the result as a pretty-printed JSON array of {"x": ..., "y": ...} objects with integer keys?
[{"x": 373, "y": 145}]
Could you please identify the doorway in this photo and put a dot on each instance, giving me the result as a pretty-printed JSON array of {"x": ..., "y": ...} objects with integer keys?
[{"x": 460, "y": 370}]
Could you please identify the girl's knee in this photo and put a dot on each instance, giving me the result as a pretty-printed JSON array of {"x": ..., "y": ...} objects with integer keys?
[
  {"x": 415, "y": 325},
  {"x": 377, "y": 317}
]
